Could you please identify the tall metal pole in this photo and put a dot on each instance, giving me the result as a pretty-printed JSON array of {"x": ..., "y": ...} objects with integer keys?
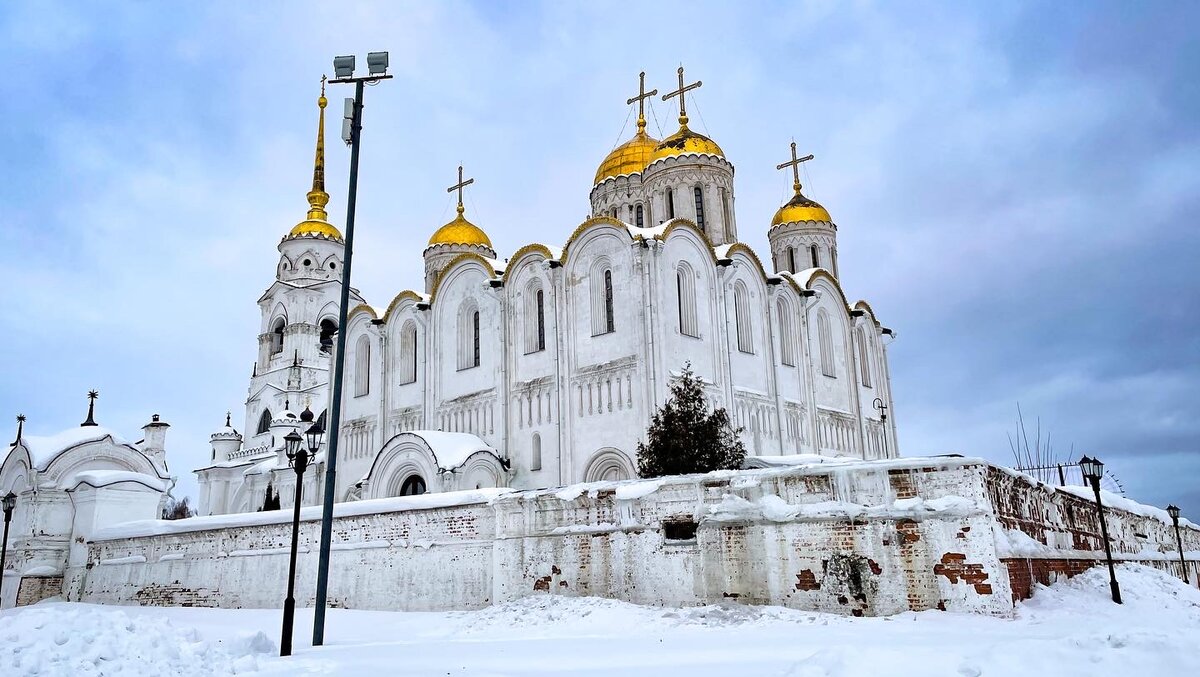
[
  {"x": 289, "y": 604},
  {"x": 1179, "y": 540},
  {"x": 1112, "y": 571},
  {"x": 4, "y": 547},
  {"x": 335, "y": 428}
]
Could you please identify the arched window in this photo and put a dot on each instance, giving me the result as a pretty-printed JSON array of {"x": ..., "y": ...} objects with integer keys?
[
  {"x": 698, "y": 193},
  {"x": 362, "y": 366},
  {"x": 414, "y": 485},
  {"x": 468, "y": 335},
  {"x": 816, "y": 261},
  {"x": 264, "y": 422},
  {"x": 792, "y": 259},
  {"x": 535, "y": 452},
  {"x": 277, "y": 336},
  {"x": 328, "y": 330},
  {"x": 741, "y": 311},
  {"x": 825, "y": 337},
  {"x": 408, "y": 353},
  {"x": 535, "y": 318},
  {"x": 638, "y": 217},
  {"x": 670, "y": 203},
  {"x": 864, "y": 361},
  {"x": 685, "y": 288},
  {"x": 602, "y": 299},
  {"x": 726, "y": 216},
  {"x": 787, "y": 344}
]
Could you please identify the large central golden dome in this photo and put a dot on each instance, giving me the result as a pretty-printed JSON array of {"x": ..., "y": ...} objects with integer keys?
[
  {"x": 685, "y": 141},
  {"x": 630, "y": 157},
  {"x": 460, "y": 231}
]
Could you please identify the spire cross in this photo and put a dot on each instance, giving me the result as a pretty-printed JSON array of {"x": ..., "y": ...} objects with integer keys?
[
  {"x": 683, "y": 89},
  {"x": 641, "y": 99},
  {"x": 459, "y": 186},
  {"x": 795, "y": 165}
]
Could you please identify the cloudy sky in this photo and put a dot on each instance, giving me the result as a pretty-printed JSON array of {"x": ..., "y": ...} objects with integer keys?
[{"x": 1017, "y": 189}]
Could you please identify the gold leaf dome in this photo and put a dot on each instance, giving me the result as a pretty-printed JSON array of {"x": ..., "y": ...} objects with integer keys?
[
  {"x": 630, "y": 157},
  {"x": 800, "y": 208},
  {"x": 685, "y": 141},
  {"x": 460, "y": 231},
  {"x": 314, "y": 228}
]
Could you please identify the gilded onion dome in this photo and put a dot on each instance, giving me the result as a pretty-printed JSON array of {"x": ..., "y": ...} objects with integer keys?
[
  {"x": 630, "y": 157},
  {"x": 685, "y": 142},
  {"x": 460, "y": 231},
  {"x": 800, "y": 208},
  {"x": 317, "y": 224}
]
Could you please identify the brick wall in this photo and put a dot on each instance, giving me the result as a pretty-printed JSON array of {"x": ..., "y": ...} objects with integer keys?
[{"x": 37, "y": 588}]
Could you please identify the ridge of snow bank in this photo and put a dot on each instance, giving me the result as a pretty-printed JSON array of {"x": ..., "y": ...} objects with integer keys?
[{"x": 85, "y": 640}]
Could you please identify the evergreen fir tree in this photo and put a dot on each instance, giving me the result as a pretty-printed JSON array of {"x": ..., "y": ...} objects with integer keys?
[{"x": 684, "y": 437}]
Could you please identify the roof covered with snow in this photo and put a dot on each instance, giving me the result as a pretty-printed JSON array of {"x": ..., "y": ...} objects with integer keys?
[
  {"x": 106, "y": 478},
  {"x": 43, "y": 450},
  {"x": 452, "y": 449}
]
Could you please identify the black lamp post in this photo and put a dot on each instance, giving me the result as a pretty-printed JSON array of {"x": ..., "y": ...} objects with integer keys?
[
  {"x": 298, "y": 459},
  {"x": 10, "y": 501},
  {"x": 1093, "y": 470},
  {"x": 1173, "y": 511}
]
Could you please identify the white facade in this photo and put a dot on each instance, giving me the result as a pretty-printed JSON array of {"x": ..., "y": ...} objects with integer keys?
[{"x": 550, "y": 365}]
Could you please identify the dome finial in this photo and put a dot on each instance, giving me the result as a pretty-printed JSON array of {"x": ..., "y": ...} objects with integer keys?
[
  {"x": 641, "y": 101},
  {"x": 317, "y": 197},
  {"x": 683, "y": 89},
  {"x": 795, "y": 165},
  {"x": 459, "y": 186}
]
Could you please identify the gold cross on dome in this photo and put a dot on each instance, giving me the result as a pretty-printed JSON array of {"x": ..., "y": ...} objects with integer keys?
[
  {"x": 641, "y": 99},
  {"x": 459, "y": 186},
  {"x": 795, "y": 165},
  {"x": 683, "y": 89}
]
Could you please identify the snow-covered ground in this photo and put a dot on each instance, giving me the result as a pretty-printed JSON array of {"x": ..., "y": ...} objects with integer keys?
[{"x": 1069, "y": 629}]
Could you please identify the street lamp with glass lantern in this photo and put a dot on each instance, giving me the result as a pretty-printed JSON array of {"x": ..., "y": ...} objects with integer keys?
[
  {"x": 1093, "y": 470},
  {"x": 343, "y": 72},
  {"x": 8, "y": 503},
  {"x": 1173, "y": 511},
  {"x": 298, "y": 459}
]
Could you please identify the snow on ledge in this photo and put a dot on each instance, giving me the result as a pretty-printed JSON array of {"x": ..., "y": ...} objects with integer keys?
[
  {"x": 1119, "y": 502},
  {"x": 311, "y": 513},
  {"x": 104, "y": 478}
]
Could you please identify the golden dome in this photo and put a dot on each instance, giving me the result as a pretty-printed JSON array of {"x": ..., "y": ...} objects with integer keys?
[
  {"x": 460, "y": 231},
  {"x": 800, "y": 208},
  {"x": 315, "y": 228},
  {"x": 630, "y": 157},
  {"x": 685, "y": 141}
]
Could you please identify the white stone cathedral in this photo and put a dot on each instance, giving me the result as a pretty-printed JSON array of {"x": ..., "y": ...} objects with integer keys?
[{"x": 544, "y": 368}]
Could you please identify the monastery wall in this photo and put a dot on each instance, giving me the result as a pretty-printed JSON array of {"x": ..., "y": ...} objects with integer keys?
[{"x": 858, "y": 538}]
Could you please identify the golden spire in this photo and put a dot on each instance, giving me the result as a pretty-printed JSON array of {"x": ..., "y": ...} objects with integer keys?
[
  {"x": 641, "y": 101},
  {"x": 683, "y": 89},
  {"x": 317, "y": 197}
]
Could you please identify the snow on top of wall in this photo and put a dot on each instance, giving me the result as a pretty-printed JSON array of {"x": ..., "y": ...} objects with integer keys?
[
  {"x": 734, "y": 508},
  {"x": 1128, "y": 505},
  {"x": 104, "y": 478},
  {"x": 794, "y": 459},
  {"x": 43, "y": 450},
  {"x": 310, "y": 513},
  {"x": 452, "y": 449}
]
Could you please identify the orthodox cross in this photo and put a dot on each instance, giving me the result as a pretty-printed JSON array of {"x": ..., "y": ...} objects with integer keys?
[
  {"x": 459, "y": 186},
  {"x": 795, "y": 165},
  {"x": 92, "y": 395},
  {"x": 683, "y": 89},
  {"x": 641, "y": 99}
]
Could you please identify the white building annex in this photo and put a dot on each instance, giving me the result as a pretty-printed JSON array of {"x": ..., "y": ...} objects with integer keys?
[{"x": 543, "y": 368}]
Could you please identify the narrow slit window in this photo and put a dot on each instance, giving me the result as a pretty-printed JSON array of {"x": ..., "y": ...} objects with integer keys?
[
  {"x": 699, "y": 195},
  {"x": 638, "y": 217}
]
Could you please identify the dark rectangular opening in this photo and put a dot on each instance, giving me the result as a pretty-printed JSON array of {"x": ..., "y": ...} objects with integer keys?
[{"x": 679, "y": 530}]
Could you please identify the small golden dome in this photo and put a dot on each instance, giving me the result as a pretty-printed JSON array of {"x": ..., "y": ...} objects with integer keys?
[
  {"x": 800, "y": 208},
  {"x": 685, "y": 141},
  {"x": 315, "y": 228},
  {"x": 460, "y": 231},
  {"x": 630, "y": 157}
]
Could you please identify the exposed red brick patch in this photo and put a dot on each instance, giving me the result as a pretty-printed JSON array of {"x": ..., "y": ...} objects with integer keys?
[
  {"x": 856, "y": 612},
  {"x": 562, "y": 584},
  {"x": 542, "y": 583},
  {"x": 555, "y": 570},
  {"x": 909, "y": 531},
  {"x": 807, "y": 580},
  {"x": 875, "y": 568},
  {"x": 955, "y": 568},
  {"x": 941, "y": 605}
]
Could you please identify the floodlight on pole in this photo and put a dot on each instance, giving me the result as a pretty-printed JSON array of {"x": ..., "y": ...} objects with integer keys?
[
  {"x": 343, "y": 67},
  {"x": 377, "y": 63},
  {"x": 352, "y": 132}
]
